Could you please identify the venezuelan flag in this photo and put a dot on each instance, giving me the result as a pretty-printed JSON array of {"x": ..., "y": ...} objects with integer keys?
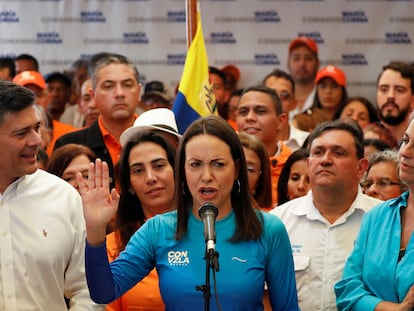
[{"x": 195, "y": 97}]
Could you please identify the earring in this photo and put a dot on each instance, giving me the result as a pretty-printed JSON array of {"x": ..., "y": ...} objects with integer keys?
[
  {"x": 131, "y": 191},
  {"x": 183, "y": 189},
  {"x": 238, "y": 185}
]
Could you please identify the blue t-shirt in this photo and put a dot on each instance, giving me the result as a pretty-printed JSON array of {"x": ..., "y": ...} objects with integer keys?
[
  {"x": 244, "y": 267},
  {"x": 372, "y": 273}
]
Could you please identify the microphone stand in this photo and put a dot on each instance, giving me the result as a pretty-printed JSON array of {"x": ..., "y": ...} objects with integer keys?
[{"x": 211, "y": 258}]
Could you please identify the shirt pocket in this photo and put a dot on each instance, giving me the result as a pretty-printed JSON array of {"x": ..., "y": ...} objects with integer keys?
[{"x": 302, "y": 272}]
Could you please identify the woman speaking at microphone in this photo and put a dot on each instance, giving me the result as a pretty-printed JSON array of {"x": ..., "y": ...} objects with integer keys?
[{"x": 253, "y": 247}]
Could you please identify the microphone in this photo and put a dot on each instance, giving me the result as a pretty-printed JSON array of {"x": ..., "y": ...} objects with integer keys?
[{"x": 208, "y": 213}]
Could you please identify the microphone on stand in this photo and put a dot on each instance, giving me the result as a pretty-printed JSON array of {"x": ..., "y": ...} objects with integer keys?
[{"x": 208, "y": 213}]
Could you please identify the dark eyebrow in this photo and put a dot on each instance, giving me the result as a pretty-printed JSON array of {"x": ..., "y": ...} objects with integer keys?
[{"x": 152, "y": 162}]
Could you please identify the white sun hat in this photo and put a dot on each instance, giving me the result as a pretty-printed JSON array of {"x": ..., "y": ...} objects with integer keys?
[{"x": 162, "y": 119}]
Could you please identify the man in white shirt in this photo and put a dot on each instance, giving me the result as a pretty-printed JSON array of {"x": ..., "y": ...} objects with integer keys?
[
  {"x": 323, "y": 224},
  {"x": 42, "y": 228}
]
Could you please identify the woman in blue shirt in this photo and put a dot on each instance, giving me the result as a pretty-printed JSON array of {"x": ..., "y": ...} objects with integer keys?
[
  {"x": 253, "y": 246},
  {"x": 379, "y": 274}
]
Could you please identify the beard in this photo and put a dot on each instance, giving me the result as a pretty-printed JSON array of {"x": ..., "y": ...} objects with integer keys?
[{"x": 390, "y": 119}]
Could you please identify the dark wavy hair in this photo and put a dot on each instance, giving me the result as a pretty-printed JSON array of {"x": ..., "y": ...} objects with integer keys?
[
  {"x": 61, "y": 157},
  {"x": 263, "y": 193},
  {"x": 130, "y": 215},
  {"x": 248, "y": 220},
  {"x": 14, "y": 98},
  {"x": 282, "y": 185},
  {"x": 317, "y": 102},
  {"x": 405, "y": 69},
  {"x": 372, "y": 111}
]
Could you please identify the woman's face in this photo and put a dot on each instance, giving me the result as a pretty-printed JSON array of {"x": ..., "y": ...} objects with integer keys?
[
  {"x": 151, "y": 177},
  {"x": 79, "y": 164},
  {"x": 406, "y": 156},
  {"x": 253, "y": 168},
  {"x": 298, "y": 183},
  {"x": 329, "y": 94},
  {"x": 210, "y": 172},
  {"x": 233, "y": 103},
  {"x": 382, "y": 181},
  {"x": 356, "y": 111}
]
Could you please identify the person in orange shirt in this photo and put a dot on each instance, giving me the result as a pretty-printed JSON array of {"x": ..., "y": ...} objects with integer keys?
[
  {"x": 146, "y": 179},
  {"x": 258, "y": 171},
  {"x": 232, "y": 105},
  {"x": 260, "y": 114},
  {"x": 116, "y": 92}
]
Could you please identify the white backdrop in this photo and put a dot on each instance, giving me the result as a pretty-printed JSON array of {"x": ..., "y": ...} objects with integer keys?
[{"x": 358, "y": 36}]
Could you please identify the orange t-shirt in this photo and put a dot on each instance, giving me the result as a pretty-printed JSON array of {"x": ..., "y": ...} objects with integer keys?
[
  {"x": 59, "y": 129},
  {"x": 276, "y": 165},
  {"x": 113, "y": 146},
  {"x": 144, "y": 296}
]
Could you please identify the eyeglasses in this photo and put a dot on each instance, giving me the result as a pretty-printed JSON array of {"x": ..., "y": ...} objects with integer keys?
[
  {"x": 381, "y": 184},
  {"x": 284, "y": 95}
]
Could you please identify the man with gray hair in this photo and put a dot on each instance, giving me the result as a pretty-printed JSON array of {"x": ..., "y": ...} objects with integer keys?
[{"x": 116, "y": 92}]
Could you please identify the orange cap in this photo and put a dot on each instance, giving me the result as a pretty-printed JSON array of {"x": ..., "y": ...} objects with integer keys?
[
  {"x": 308, "y": 42},
  {"x": 30, "y": 77},
  {"x": 331, "y": 72},
  {"x": 232, "y": 70}
]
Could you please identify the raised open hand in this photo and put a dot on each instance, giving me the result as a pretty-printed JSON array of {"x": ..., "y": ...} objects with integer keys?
[{"x": 99, "y": 203}]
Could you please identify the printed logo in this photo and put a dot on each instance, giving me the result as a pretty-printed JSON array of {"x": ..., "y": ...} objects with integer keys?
[
  {"x": 238, "y": 259},
  {"x": 178, "y": 258},
  {"x": 135, "y": 38},
  {"x": 266, "y": 59},
  {"x": 10, "y": 55},
  {"x": 354, "y": 59},
  {"x": 397, "y": 38},
  {"x": 297, "y": 248},
  {"x": 176, "y": 16},
  {"x": 226, "y": 37},
  {"x": 270, "y": 16},
  {"x": 92, "y": 17},
  {"x": 85, "y": 56},
  {"x": 315, "y": 35},
  {"x": 176, "y": 59},
  {"x": 49, "y": 38},
  {"x": 8, "y": 17},
  {"x": 354, "y": 17}
]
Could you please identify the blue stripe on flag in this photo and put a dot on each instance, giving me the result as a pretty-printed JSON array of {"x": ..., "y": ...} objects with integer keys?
[{"x": 186, "y": 113}]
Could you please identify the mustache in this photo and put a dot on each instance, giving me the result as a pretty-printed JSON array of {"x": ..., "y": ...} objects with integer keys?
[{"x": 390, "y": 102}]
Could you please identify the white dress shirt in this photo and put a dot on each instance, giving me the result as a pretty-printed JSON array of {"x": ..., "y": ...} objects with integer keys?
[
  {"x": 42, "y": 242},
  {"x": 308, "y": 104},
  {"x": 296, "y": 138},
  {"x": 320, "y": 248}
]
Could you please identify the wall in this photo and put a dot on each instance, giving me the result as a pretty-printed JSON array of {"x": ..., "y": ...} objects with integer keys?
[{"x": 358, "y": 36}]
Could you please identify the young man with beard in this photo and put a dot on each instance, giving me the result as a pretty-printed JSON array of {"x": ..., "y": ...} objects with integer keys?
[
  {"x": 303, "y": 64},
  {"x": 395, "y": 96}
]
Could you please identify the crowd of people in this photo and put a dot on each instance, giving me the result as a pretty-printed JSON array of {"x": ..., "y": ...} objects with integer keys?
[{"x": 312, "y": 190}]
